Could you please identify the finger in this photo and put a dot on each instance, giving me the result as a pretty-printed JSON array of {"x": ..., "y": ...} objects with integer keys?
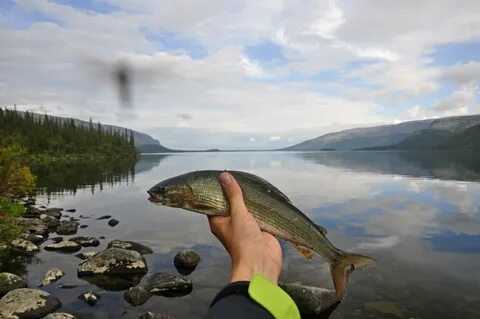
[
  {"x": 218, "y": 224},
  {"x": 234, "y": 194}
]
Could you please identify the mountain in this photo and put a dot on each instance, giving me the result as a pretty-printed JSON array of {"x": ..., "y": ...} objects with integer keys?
[
  {"x": 432, "y": 133},
  {"x": 144, "y": 143}
]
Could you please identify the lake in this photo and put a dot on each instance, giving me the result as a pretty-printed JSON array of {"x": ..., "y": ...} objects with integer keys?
[{"x": 418, "y": 214}]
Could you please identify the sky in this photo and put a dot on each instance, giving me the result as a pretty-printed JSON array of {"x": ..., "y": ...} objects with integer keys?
[{"x": 242, "y": 74}]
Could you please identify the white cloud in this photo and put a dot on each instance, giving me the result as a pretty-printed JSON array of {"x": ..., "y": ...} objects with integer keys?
[{"x": 49, "y": 65}]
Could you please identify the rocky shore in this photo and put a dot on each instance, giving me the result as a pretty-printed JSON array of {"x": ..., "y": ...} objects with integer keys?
[{"x": 120, "y": 266}]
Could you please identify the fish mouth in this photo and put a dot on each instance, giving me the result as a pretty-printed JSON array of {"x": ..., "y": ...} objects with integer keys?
[{"x": 155, "y": 198}]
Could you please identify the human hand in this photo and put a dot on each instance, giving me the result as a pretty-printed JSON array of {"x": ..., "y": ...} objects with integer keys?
[{"x": 252, "y": 251}]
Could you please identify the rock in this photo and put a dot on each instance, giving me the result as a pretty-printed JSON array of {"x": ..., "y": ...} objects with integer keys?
[
  {"x": 142, "y": 249},
  {"x": 33, "y": 225},
  {"x": 71, "y": 210},
  {"x": 24, "y": 246},
  {"x": 51, "y": 221},
  {"x": 83, "y": 217},
  {"x": 86, "y": 254},
  {"x": 90, "y": 298},
  {"x": 54, "y": 212},
  {"x": 151, "y": 315},
  {"x": 10, "y": 282},
  {"x": 56, "y": 239},
  {"x": 52, "y": 275},
  {"x": 114, "y": 282},
  {"x": 66, "y": 246},
  {"x": 113, "y": 222},
  {"x": 32, "y": 212},
  {"x": 113, "y": 261},
  {"x": 168, "y": 285},
  {"x": 73, "y": 219},
  {"x": 67, "y": 286},
  {"x": 28, "y": 303},
  {"x": 137, "y": 296},
  {"x": 384, "y": 308},
  {"x": 311, "y": 301},
  {"x": 104, "y": 217},
  {"x": 36, "y": 239},
  {"x": 186, "y": 261},
  {"x": 60, "y": 315},
  {"x": 83, "y": 226},
  {"x": 86, "y": 241},
  {"x": 101, "y": 237},
  {"x": 67, "y": 228}
]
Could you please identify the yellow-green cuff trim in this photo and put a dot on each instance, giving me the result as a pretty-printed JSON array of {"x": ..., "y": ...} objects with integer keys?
[{"x": 272, "y": 298}]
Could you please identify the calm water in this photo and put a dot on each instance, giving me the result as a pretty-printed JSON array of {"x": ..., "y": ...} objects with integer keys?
[{"x": 418, "y": 214}]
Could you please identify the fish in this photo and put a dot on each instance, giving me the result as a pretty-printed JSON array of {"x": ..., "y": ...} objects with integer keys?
[{"x": 201, "y": 192}]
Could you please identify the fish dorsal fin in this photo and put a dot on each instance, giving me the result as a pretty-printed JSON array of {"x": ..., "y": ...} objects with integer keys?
[
  {"x": 304, "y": 251},
  {"x": 321, "y": 229},
  {"x": 269, "y": 188}
]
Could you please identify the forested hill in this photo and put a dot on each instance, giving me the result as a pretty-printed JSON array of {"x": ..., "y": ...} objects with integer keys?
[{"x": 49, "y": 139}]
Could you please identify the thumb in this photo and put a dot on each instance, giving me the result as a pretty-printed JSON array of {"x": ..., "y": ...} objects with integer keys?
[{"x": 233, "y": 192}]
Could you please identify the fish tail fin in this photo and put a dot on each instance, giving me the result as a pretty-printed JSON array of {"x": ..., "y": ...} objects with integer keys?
[{"x": 343, "y": 267}]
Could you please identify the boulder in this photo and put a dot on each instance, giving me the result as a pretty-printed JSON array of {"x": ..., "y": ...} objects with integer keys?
[
  {"x": 52, "y": 275},
  {"x": 86, "y": 241},
  {"x": 65, "y": 246},
  {"x": 186, "y": 261},
  {"x": 33, "y": 225},
  {"x": 113, "y": 222},
  {"x": 113, "y": 282},
  {"x": 54, "y": 212},
  {"x": 28, "y": 303},
  {"x": 151, "y": 315},
  {"x": 60, "y": 315},
  {"x": 86, "y": 254},
  {"x": 113, "y": 261},
  {"x": 142, "y": 249},
  {"x": 24, "y": 246},
  {"x": 311, "y": 301},
  {"x": 36, "y": 239},
  {"x": 51, "y": 221},
  {"x": 168, "y": 285},
  {"x": 89, "y": 298},
  {"x": 137, "y": 296},
  {"x": 10, "y": 282},
  {"x": 67, "y": 228}
]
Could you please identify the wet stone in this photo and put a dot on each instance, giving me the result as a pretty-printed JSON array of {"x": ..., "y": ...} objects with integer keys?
[
  {"x": 66, "y": 246},
  {"x": 311, "y": 301},
  {"x": 168, "y": 285},
  {"x": 67, "y": 228},
  {"x": 60, "y": 315},
  {"x": 56, "y": 239},
  {"x": 90, "y": 298},
  {"x": 142, "y": 249},
  {"x": 36, "y": 239},
  {"x": 83, "y": 226},
  {"x": 113, "y": 261},
  {"x": 151, "y": 315},
  {"x": 71, "y": 210},
  {"x": 51, "y": 221},
  {"x": 52, "y": 275},
  {"x": 137, "y": 296},
  {"x": 86, "y": 241},
  {"x": 9, "y": 281},
  {"x": 114, "y": 282},
  {"x": 24, "y": 246},
  {"x": 86, "y": 254},
  {"x": 104, "y": 217},
  {"x": 33, "y": 225},
  {"x": 28, "y": 303},
  {"x": 55, "y": 212},
  {"x": 186, "y": 261},
  {"x": 113, "y": 222}
]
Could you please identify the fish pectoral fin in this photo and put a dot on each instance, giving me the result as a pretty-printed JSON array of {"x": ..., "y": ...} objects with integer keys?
[{"x": 304, "y": 251}]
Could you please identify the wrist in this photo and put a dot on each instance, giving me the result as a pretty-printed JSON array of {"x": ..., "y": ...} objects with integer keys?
[{"x": 246, "y": 273}]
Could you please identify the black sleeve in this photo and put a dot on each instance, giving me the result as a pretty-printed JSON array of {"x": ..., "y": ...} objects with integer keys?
[{"x": 233, "y": 302}]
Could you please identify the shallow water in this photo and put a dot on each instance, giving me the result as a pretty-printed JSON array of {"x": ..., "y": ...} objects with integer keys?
[{"x": 417, "y": 214}]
